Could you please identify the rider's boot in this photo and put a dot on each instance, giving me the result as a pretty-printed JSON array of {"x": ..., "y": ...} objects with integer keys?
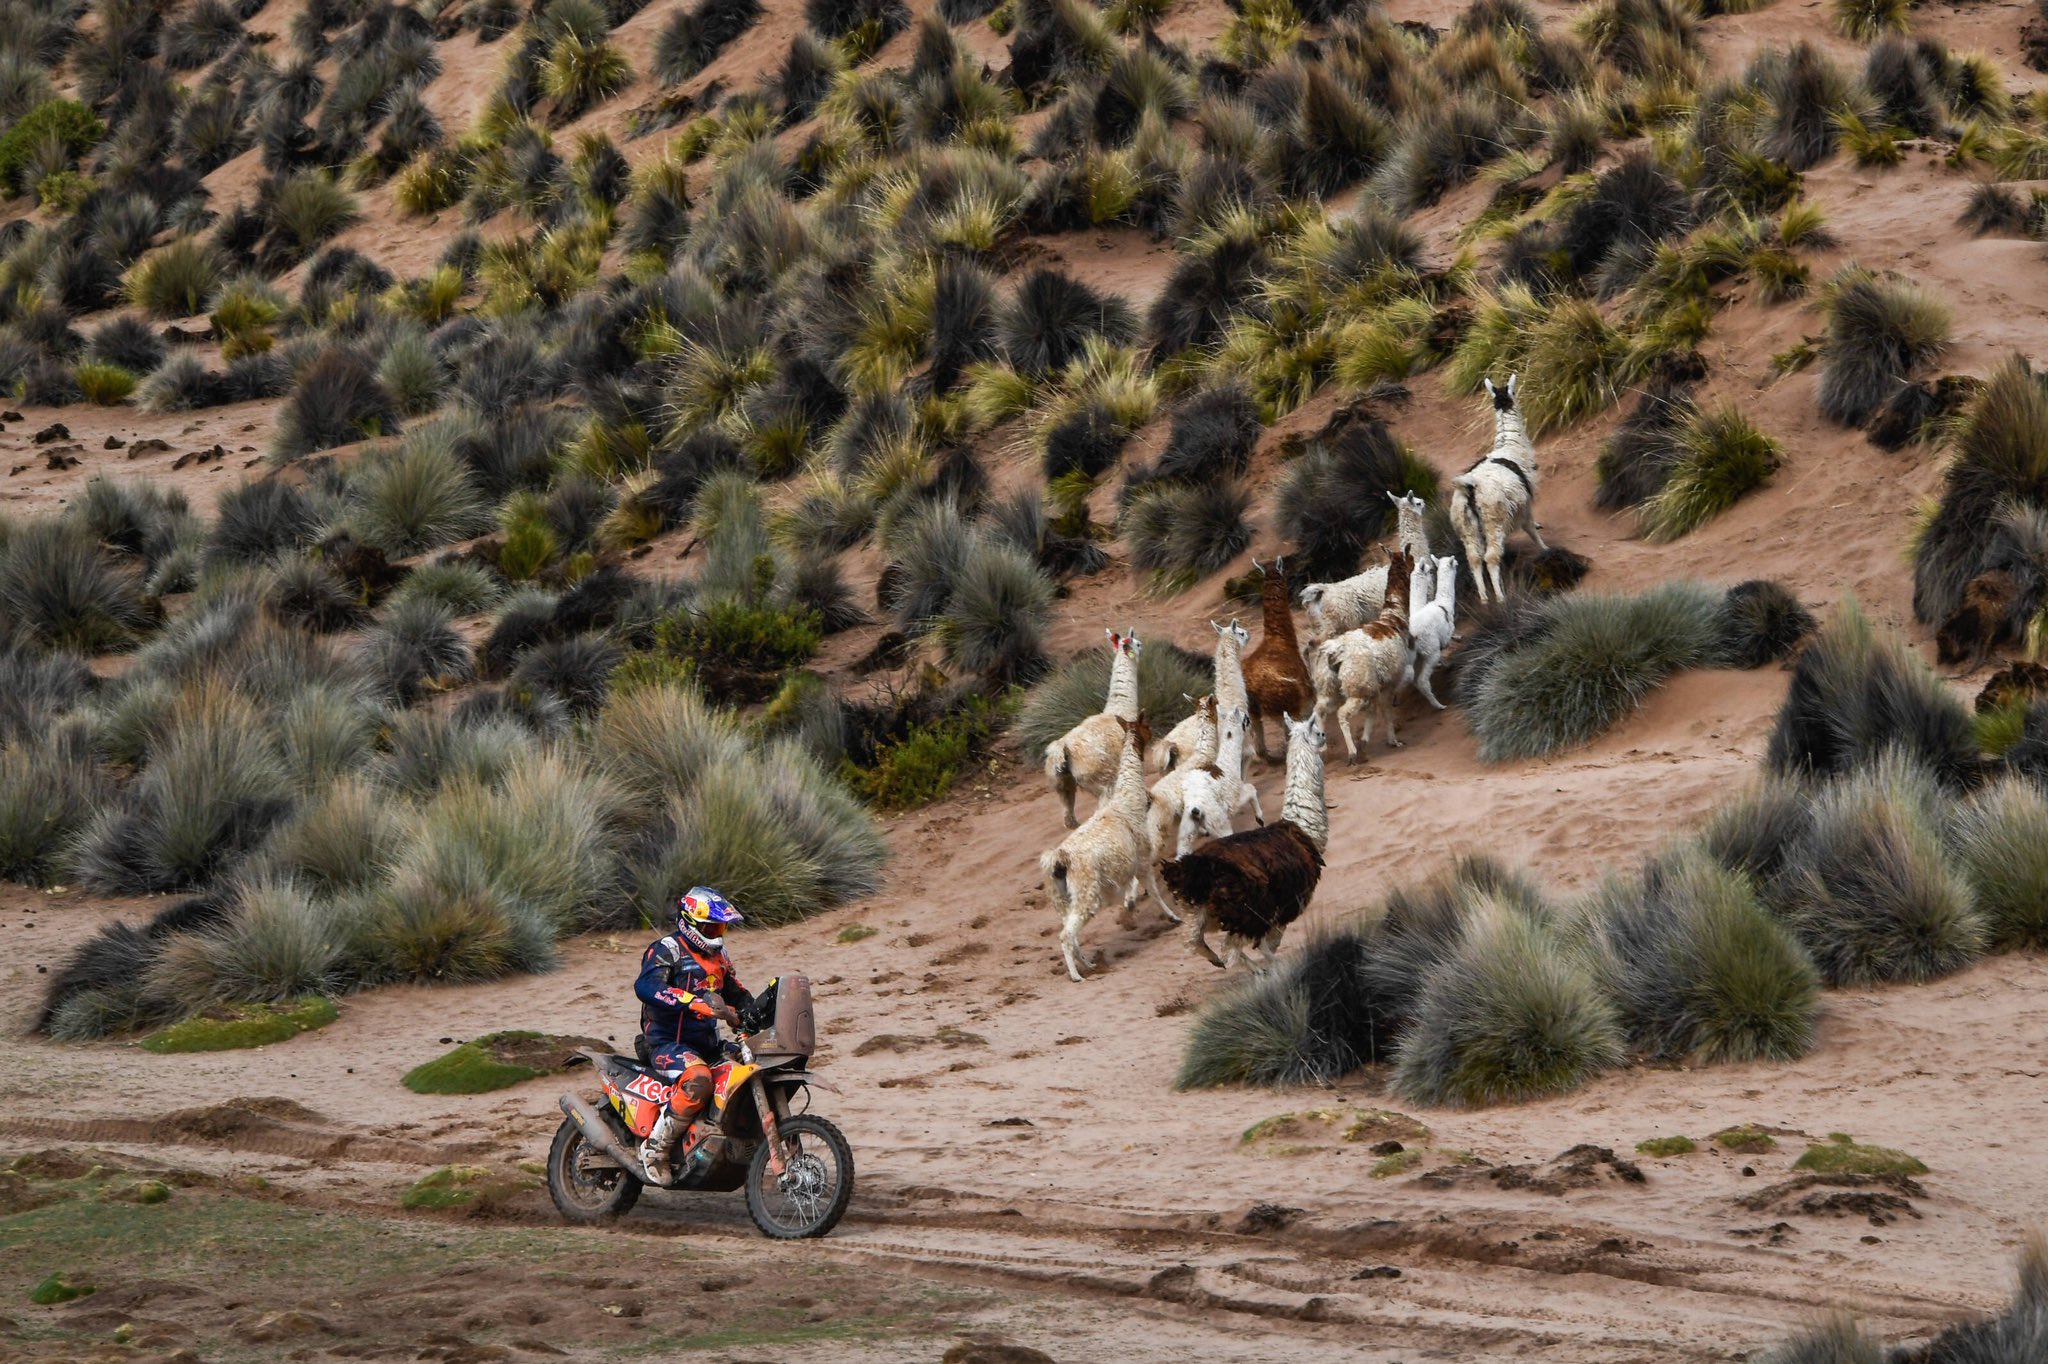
[{"x": 654, "y": 1163}]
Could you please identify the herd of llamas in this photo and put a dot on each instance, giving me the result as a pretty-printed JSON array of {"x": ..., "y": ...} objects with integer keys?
[{"x": 1381, "y": 630}]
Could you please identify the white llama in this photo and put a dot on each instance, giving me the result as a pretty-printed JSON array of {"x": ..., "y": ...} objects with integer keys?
[
  {"x": 1180, "y": 741},
  {"x": 1349, "y": 603},
  {"x": 1085, "y": 757},
  {"x": 1212, "y": 797},
  {"x": 1362, "y": 669},
  {"x": 1431, "y": 627},
  {"x": 1104, "y": 857},
  {"x": 1497, "y": 494}
]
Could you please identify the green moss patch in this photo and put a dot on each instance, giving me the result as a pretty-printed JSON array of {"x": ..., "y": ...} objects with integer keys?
[
  {"x": 1399, "y": 1162},
  {"x": 1666, "y": 1146},
  {"x": 1314, "y": 1129},
  {"x": 1843, "y": 1155},
  {"x": 470, "y": 1187},
  {"x": 235, "y": 1026},
  {"x": 855, "y": 933},
  {"x": 496, "y": 1061},
  {"x": 1749, "y": 1139},
  {"x": 56, "y": 1289}
]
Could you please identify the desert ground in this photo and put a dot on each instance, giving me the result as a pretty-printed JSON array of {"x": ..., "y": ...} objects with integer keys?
[{"x": 1028, "y": 1177}]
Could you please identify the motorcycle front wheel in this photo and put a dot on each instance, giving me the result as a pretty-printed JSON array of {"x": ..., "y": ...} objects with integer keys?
[
  {"x": 586, "y": 1195},
  {"x": 810, "y": 1195}
]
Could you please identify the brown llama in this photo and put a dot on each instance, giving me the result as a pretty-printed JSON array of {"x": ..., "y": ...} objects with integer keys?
[{"x": 1276, "y": 681}]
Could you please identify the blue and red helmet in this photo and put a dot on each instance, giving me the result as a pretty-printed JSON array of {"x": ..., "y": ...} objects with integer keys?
[{"x": 703, "y": 907}]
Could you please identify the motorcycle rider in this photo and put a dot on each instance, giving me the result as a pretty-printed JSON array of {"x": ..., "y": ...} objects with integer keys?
[{"x": 687, "y": 988}]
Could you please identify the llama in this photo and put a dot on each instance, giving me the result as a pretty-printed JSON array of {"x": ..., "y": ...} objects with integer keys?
[
  {"x": 1497, "y": 494},
  {"x": 1361, "y": 670},
  {"x": 1275, "y": 678},
  {"x": 1229, "y": 692},
  {"x": 1193, "y": 740},
  {"x": 1431, "y": 626},
  {"x": 1349, "y": 603},
  {"x": 1085, "y": 757},
  {"x": 1212, "y": 796},
  {"x": 1254, "y": 884},
  {"x": 1105, "y": 856}
]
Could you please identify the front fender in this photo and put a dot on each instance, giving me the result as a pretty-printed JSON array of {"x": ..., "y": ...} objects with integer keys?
[{"x": 800, "y": 1077}]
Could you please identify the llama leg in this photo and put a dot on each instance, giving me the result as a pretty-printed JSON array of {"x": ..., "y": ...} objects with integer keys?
[
  {"x": 1495, "y": 547},
  {"x": 1346, "y": 714},
  {"x": 1198, "y": 925},
  {"x": 1475, "y": 558},
  {"x": 1270, "y": 944},
  {"x": 1159, "y": 896},
  {"x": 1533, "y": 526},
  {"x": 1384, "y": 704},
  {"x": 1426, "y": 661},
  {"x": 1258, "y": 809},
  {"x": 1070, "y": 942}
]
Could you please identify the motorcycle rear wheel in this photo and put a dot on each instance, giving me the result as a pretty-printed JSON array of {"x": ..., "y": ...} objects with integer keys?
[
  {"x": 587, "y": 1196},
  {"x": 811, "y": 1194}
]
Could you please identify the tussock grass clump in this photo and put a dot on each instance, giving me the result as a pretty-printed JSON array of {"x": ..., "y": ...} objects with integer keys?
[
  {"x": 127, "y": 341},
  {"x": 212, "y": 788},
  {"x": 1183, "y": 532},
  {"x": 1505, "y": 1015},
  {"x": 415, "y": 498},
  {"x": 1855, "y": 694},
  {"x": 308, "y": 594},
  {"x": 693, "y": 37},
  {"x": 1205, "y": 288},
  {"x": 306, "y": 209},
  {"x": 337, "y": 400},
  {"x": 58, "y": 587},
  {"x": 995, "y": 618},
  {"x": 340, "y": 841},
  {"x": 1049, "y": 321},
  {"x": 272, "y": 945},
  {"x": 1696, "y": 968},
  {"x": 1873, "y": 894},
  {"x": 1761, "y": 622},
  {"x": 414, "y": 648},
  {"x": 1335, "y": 501},
  {"x": 2001, "y": 458},
  {"x": 177, "y": 280},
  {"x": 1879, "y": 331},
  {"x": 255, "y": 522},
  {"x": 1836, "y": 1340},
  {"x": 581, "y": 73},
  {"x": 2000, "y": 840},
  {"x": 1804, "y": 94},
  {"x": 1636, "y": 461},
  {"x": 1074, "y": 690},
  {"x": 102, "y": 384},
  {"x": 1864, "y": 20},
  {"x": 51, "y": 784},
  {"x": 1589, "y": 662},
  {"x": 1721, "y": 456}
]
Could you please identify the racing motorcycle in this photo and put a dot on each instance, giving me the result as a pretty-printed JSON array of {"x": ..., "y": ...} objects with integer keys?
[{"x": 796, "y": 1167}]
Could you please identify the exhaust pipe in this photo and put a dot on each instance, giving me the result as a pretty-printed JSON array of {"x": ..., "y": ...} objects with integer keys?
[{"x": 596, "y": 1131}]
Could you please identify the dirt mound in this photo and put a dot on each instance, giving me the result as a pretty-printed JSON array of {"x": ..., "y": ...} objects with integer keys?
[{"x": 1882, "y": 1199}]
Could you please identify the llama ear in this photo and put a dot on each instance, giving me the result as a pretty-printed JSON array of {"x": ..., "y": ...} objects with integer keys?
[
  {"x": 1259, "y": 566},
  {"x": 1114, "y": 642},
  {"x": 1393, "y": 499},
  {"x": 1512, "y": 379},
  {"x": 1489, "y": 386}
]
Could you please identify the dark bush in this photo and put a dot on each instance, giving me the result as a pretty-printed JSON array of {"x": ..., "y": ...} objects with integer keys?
[
  {"x": 1051, "y": 318},
  {"x": 1204, "y": 289}
]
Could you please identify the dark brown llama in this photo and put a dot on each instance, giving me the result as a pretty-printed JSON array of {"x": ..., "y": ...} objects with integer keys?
[{"x": 1275, "y": 679}]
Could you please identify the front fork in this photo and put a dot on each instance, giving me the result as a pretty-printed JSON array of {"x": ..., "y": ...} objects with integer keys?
[{"x": 770, "y": 1132}]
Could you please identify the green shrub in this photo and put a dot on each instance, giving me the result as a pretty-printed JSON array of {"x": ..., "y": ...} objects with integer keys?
[
  {"x": 103, "y": 384},
  {"x": 66, "y": 122},
  {"x": 310, "y": 207},
  {"x": 730, "y": 634},
  {"x": 920, "y": 768},
  {"x": 233, "y": 1028}
]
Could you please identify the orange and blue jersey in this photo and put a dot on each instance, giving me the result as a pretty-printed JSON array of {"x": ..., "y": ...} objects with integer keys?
[{"x": 675, "y": 984}]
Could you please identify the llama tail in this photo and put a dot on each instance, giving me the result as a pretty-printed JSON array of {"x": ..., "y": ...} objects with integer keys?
[
  {"x": 1052, "y": 865},
  {"x": 1470, "y": 501},
  {"x": 1059, "y": 770}
]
